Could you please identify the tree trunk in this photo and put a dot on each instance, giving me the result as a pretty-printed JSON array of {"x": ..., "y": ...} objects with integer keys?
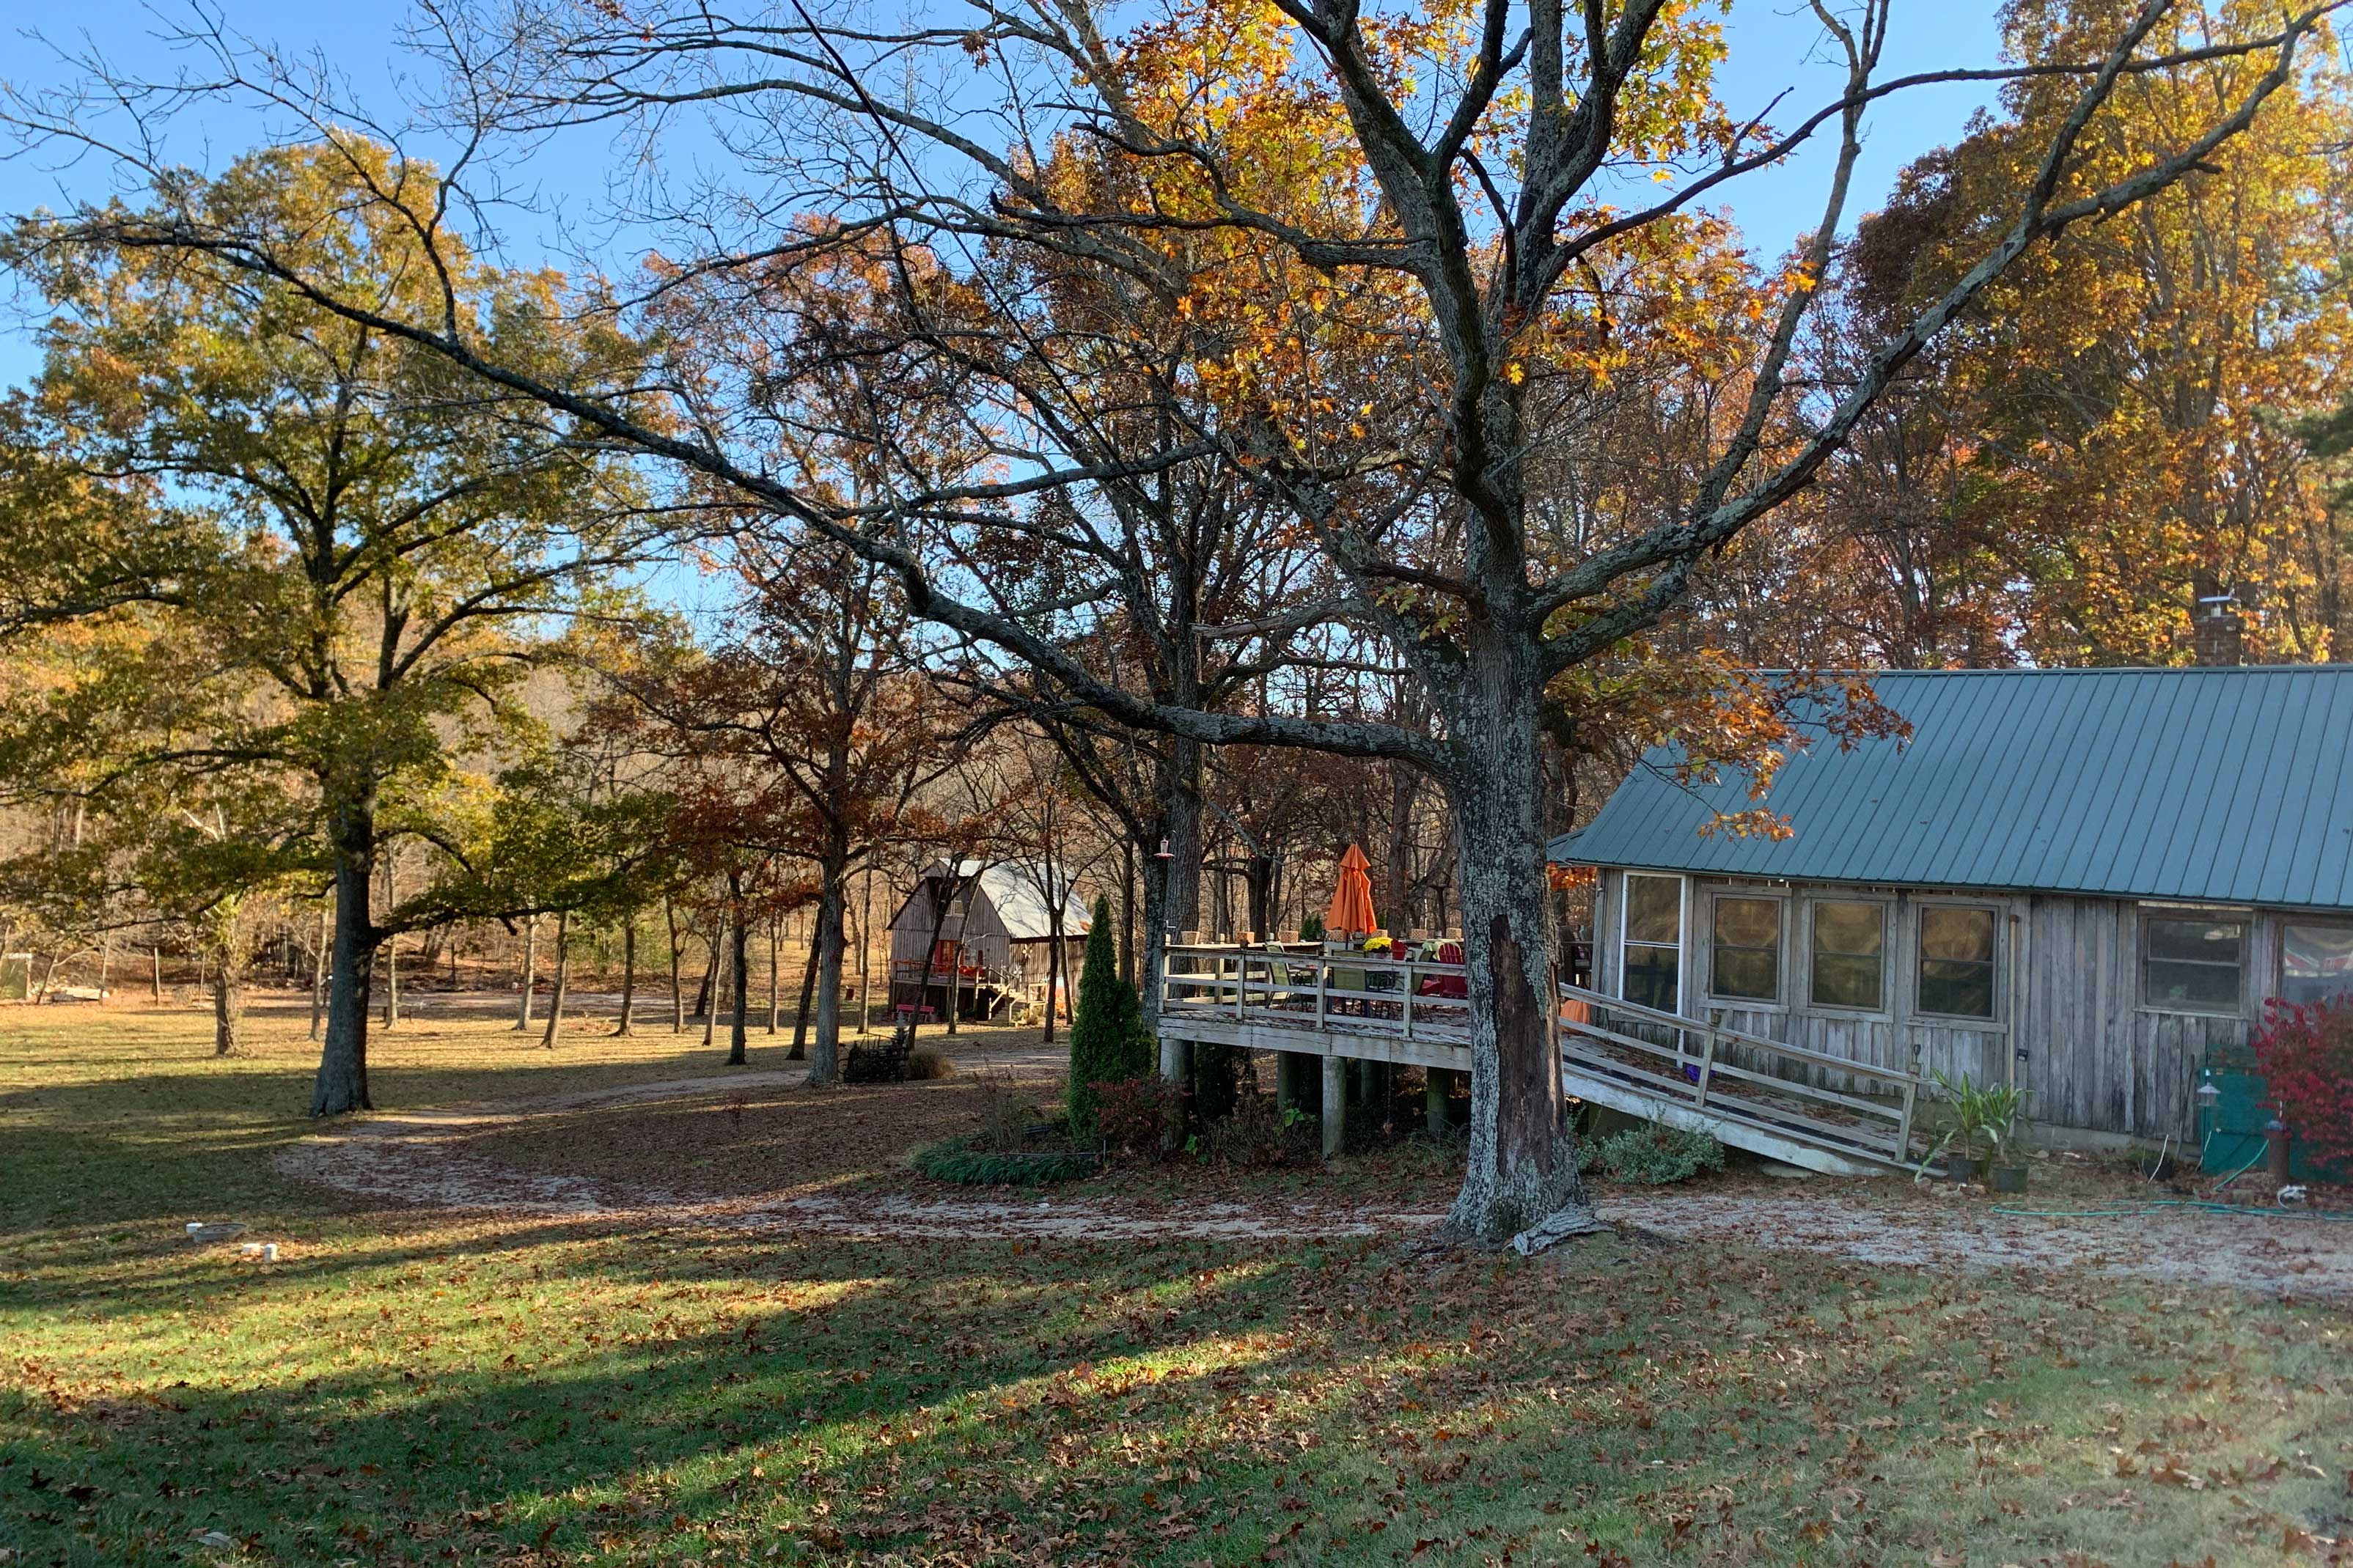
[
  {"x": 391, "y": 981},
  {"x": 1396, "y": 911},
  {"x": 391, "y": 943},
  {"x": 229, "y": 997},
  {"x": 1522, "y": 1158},
  {"x": 705, "y": 1002},
  {"x": 1127, "y": 909},
  {"x": 775, "y": 996},
  {"x": 739, "y": 957},
  {"x": 342, "y": 1086},
  {"x": 866, "y": 950},
  {"x": 709, "y": 1010},
  {"x": 1054, "y": 962},
  {"x": 677, "y": 982},
  {"x": 155, "y": 983},
  {"x": 319, "y": 974},
  {"x": 799, "y": 1053},
  {"x": 563, "y": 978},
  {"x": 629, "y": 970},
  {"x": 529, "y": 972},
  {"x": 832, "y": 904},
  {"x": 1172, "y": 888}
]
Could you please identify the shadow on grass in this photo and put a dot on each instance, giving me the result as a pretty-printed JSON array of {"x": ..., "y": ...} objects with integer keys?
[{"x": 615, "y": 1399}]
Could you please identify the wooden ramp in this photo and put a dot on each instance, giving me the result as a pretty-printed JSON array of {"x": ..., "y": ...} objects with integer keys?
[{"x": 1803, "y": 1108}]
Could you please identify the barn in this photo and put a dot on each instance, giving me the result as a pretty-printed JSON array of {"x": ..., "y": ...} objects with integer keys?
[
  {"x": 2085, "y": 882},
  {"x": 979, "y": 936}
]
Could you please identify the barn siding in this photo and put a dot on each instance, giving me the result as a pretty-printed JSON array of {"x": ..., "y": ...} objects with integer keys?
[{"x": 2067, "y": 988}]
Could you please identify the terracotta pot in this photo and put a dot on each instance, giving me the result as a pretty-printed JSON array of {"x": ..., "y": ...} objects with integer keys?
[{"x": 2009, "y": 1178}]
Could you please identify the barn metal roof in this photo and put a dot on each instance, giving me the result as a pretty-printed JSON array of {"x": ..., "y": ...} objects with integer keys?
[
  {"x": 1016, "y": 889},
  {"x": 2227, "y": 784}
]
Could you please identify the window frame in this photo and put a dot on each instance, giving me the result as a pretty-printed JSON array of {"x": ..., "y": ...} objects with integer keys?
[
  {"x": 1997, "y": 981},
  {"x": 1780, "y": 1001},
  {"x": 2279, "y": 947},
  {"x": 1888, "y": 937},
  {"x": 2147, "y": 914},
  {"x": 1681, "y": 943}
]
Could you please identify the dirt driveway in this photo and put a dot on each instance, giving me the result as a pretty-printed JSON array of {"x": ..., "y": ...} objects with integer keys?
[{"x": 446, "y": 1158}]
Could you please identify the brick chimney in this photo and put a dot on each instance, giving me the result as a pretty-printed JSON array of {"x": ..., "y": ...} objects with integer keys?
[{"x": 2216, "y": 630}]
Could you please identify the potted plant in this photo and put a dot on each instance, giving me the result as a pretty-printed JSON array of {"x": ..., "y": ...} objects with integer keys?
[
  {"x": 1958, "y": 1148},
  {"x": 2004, "y": 1109}
]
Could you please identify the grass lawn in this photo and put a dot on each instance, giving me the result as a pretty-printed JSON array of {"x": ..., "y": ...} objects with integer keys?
[{"x": 417, "y": 1386}]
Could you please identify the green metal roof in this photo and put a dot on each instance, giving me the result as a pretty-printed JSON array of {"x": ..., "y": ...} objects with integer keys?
[{"x": 2227, "y": 784}]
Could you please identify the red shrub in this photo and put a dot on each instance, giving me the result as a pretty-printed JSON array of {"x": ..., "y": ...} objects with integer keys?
[
  {"x": 2305, "y": 1055},
  {"x": 1130, "y": 1115}
]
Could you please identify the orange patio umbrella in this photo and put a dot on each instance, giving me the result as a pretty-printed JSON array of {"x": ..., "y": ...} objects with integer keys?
[{"x": 1351, "y": 911}]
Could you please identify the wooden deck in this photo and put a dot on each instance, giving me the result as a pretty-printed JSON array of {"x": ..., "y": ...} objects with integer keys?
[{"x": 1789, "y": 1103}]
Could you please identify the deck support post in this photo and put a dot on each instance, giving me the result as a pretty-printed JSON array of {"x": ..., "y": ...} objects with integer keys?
[
  {"x": 1335, "y": 1104},
  {"x": 1434, "y": 1101},
  {"x": 1286, "y": 1078}
]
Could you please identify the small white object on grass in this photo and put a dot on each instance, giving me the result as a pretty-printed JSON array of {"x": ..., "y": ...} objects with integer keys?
[
  {"x": 269, "y": 1252},
  {"x": 2292, "y": 1194},
  {"x": 195, "y": 1226},
  {"x": 250, "y": 1250}
]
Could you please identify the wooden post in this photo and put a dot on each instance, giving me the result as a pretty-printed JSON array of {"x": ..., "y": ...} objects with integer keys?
[
  {"x": 1707, "y": 1054},
  {"x": 1903, "y": 1119},
  {"x": 1409, "y": 1001},
  {"x": 1323, "y": 988},
  {"x": 1335, "y": 1104},
  {"x": 1286, "y": 1079},
  {"x": 1434, "y": 1102}
]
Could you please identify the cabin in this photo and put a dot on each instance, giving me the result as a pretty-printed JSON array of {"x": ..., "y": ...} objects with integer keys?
[
  {"x": 978, "y": 938},
  {"x": 2085, "y": 882}
]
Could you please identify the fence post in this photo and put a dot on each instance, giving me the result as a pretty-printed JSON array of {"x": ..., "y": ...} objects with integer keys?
[
  {"x": 1707, "y": 1054},
  {"x": 1903, "y": 1119},
  {"x": 1409, "y": 1001},
  {"x": 1323, "y": 988}
]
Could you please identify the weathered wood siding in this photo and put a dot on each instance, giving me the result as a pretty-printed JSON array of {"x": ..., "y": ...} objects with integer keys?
[
  {"x": 2069, "y": 1025},
  {"x": 976, "y": 926}
]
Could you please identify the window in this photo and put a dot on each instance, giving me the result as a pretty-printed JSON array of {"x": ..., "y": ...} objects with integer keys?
[
  {"x": 2190, "y": 962},
  {"x": 1955, "y": 962},
  {"x": 1746, "y": 955},
  {"x": 1654, "y": 936},
  {"x": 1850, "y": 954},
  {"x": 2315, "y": 963}
]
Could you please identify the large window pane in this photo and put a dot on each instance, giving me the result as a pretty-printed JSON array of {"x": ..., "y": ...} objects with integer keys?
[
  {"x": 1651, "y": 977},
  {"x": 1747, "y": 950},
  {"x": 1963, "y": 935},
  {"x": 1655, "y": 908},
  {"x": 1955, "y": 962},
  {"x": 2191, "y": 961},
  {"x": 1653, "y": 957},
  {"x": 2315, "y": 961},
  {"x": 1850, "y": 940}
]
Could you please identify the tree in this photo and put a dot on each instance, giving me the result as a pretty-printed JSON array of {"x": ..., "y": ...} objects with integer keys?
[
  {"x": 811, "y": 732},
  {"x": 369, "y": 533},
  {"x": 2108, "y": 434},
  {"x": 1417, "y": 326},
  {"x": 1109, "y": 1042}
]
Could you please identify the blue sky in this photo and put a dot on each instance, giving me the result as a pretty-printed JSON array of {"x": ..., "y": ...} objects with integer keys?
[{"x": 1772, "y": 48}]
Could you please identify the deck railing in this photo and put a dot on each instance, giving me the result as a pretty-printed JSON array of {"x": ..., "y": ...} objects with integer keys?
[
  {"x": 1303, "y": 986},
  {"x": 1724, "y": 1073}
]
